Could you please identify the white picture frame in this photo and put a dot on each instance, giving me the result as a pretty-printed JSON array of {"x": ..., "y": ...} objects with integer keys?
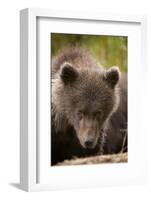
[{"x": 34, "y": 171}]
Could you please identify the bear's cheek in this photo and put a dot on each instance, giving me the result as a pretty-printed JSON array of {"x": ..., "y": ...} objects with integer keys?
[{"x": 75, "y": 122}]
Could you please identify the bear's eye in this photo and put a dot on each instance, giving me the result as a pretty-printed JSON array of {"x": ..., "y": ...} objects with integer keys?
[
  {"x": 97, "y": 114},
  {"x": 80, "y": 114}
]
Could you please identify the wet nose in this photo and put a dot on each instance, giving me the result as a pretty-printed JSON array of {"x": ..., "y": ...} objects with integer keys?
[{"x": 88, "y": 143}]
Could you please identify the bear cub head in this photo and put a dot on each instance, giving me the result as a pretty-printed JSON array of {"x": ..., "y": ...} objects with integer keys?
[{"x": 87, "y": 98}]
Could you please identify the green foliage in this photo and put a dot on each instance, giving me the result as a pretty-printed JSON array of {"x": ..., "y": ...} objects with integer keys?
[{"x": 109, "y": 50}]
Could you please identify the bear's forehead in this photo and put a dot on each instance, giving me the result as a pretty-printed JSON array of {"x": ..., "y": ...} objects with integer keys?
[
  {"x": 93, "y": 90},
  {"x": 90, "y": 90},
  {"x": 90, "y": 97}
]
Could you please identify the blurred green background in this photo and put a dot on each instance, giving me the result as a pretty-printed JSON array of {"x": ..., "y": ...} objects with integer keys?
[{"x": 108, "y": 50}]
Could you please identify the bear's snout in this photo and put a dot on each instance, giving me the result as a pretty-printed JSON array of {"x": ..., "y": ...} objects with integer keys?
[
  {"x": 88, "y": 143},
  {"x": 88, "y": 132}
]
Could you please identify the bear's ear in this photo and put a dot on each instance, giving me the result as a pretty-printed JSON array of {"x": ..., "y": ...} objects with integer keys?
[
  {"x": 68, "y": 73},
  {"x": 112, "y": 76}
]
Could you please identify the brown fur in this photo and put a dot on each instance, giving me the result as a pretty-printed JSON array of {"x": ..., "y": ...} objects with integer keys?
[{"x": 84, "y": 98}]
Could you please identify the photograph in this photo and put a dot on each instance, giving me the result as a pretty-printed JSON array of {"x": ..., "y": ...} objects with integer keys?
[{"x": 88, "y": 99}]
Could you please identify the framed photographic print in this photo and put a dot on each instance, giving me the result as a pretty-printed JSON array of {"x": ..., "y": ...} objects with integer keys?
[{"x": 81, "y": 84}]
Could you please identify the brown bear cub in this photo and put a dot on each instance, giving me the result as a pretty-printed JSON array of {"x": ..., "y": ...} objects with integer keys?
[{"x": 89, "y": 107}]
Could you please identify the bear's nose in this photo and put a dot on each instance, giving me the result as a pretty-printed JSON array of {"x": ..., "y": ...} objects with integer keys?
[{"x": 88, "y": 143}]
